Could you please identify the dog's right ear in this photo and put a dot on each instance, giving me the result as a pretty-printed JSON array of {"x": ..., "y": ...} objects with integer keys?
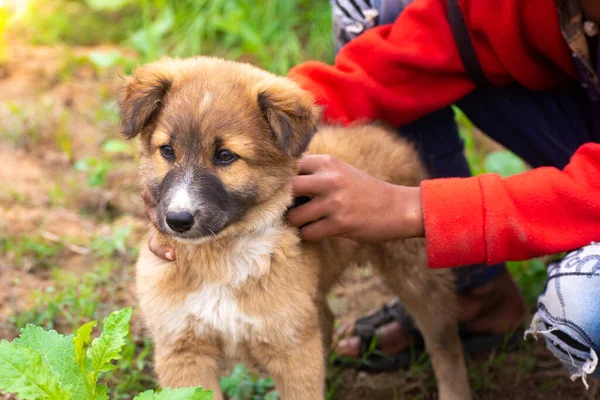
[{"x": 140, "y": 98}]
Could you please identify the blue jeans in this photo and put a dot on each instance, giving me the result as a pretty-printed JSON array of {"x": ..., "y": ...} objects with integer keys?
[{"x": 544, "y": 129}]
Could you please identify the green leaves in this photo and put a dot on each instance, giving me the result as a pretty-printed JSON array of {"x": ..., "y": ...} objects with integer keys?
[
  {"x": 54, "y": 350},
  {"x": 45, "y": 365},
  {"x": 177, "y": 394},
  {"x": 241, "y": 384},
  {"x": 108, "y": 346},
  {"x": 145, "y": 39},
  {"x": 96, "y": 170},
  {"x": 504, "y": 163},
  {"x": 82, "y": 341},
  {"x": 96, "y": 357},
  {"x": 23, "y": 371}
]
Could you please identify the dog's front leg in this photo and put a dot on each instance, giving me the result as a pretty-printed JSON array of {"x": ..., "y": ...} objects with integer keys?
[
  {"x": 299, "y": 373},
  {"x": 188, "y": 363}
]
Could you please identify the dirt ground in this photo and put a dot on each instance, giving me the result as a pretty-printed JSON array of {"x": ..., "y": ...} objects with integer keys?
[{"x": 54, "y": 111}]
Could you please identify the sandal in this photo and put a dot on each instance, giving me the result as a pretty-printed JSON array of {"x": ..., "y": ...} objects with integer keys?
[{"x": 372, "y": 359}]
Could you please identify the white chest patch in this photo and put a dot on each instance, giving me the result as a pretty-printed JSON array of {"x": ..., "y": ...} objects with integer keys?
[{"x": 214, "y": 306}]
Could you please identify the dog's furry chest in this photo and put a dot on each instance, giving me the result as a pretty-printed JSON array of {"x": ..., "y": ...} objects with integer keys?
[
  {"x": 230, "y": 307},
  {"x": 215, "y": 311}
]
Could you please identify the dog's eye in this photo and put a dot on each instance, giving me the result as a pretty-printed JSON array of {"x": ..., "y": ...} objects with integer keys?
[
  {"x": 167, "y": 152},
  {"x": 225, "y": 157}
]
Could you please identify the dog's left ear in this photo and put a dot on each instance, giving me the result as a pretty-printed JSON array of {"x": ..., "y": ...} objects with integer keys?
[
  {"x": 291, "y": 112},
  {"x": 141, "y": 97}
]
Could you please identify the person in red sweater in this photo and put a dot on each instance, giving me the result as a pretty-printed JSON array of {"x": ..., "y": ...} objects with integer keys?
[{"x": 525, "y": 72}]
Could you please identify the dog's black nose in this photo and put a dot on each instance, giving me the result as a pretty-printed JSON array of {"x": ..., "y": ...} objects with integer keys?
[{"x": 180, "y": 221}]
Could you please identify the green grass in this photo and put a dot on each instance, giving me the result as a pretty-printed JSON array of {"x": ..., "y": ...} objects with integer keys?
[
  {"x": 276, "y": 34},
  {"x": 243, "y": 384},
  {"x": 96, "y": 168},
  {"x": 21, "y": 127},
  {"x": 29, "y": 251},
  {"x": 71, "y": 300}
]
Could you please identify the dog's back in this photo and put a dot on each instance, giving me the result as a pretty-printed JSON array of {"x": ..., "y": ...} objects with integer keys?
[{"x": 374, "y": 149}]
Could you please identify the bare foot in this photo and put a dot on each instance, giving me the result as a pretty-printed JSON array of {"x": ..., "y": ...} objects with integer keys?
[{"x": 494, "y": 308}]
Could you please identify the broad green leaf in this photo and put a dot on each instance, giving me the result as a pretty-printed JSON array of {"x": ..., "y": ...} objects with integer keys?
[
  {"x": 107, "y": 5},
  {"x": 107, "y": 347},
  {"x": 177, "y": 394},
  {"x": 504, "y": 163},
  {"x": 58, "y": 354},
  {"x": 23, "y": 372}
]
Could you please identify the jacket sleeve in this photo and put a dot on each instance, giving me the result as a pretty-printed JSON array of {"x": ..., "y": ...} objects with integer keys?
[
  {"x": 404, "y": 70},
  {"x": 486, "y": 219}
]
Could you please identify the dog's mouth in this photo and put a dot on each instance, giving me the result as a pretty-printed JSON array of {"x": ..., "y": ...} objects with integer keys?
[{"x": 197, "y": 236}]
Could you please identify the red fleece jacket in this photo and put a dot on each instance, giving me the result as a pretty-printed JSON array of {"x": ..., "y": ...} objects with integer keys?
[{"x": 402, "y": 71}]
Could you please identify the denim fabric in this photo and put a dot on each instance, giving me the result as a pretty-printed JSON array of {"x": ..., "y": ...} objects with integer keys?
[
  {"x": 568, "y": 315},
  {"x": 545, "y": 129}
]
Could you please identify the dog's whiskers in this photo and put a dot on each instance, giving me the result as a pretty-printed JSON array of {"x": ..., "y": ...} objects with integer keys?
[{"x": 215, "y": 236}]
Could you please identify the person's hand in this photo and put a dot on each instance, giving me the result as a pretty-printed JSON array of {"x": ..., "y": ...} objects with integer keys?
[
  {"x": 349, "y": 203},
  {"x": 156, "y": 246}
]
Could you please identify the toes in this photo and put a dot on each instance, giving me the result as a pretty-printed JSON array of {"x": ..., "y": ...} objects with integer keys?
[{"x": 349, "y": 347}]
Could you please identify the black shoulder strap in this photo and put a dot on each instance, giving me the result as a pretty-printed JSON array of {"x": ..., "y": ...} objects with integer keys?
[{"x": 464, "y": 44}]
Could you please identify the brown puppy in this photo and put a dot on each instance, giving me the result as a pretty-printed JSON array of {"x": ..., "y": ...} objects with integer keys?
[{"x": 219, "y": 145}]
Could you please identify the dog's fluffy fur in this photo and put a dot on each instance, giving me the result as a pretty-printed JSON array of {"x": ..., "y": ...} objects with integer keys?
[{"x": 244, "y": 286}]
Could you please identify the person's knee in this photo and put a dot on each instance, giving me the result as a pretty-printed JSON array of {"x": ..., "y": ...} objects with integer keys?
[
  {"x": 351, "y": 19},
  {"x": 568, "y": 315}
]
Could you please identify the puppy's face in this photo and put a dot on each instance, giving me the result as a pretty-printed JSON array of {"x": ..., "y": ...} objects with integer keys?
[{"x": 217, "y": 140}]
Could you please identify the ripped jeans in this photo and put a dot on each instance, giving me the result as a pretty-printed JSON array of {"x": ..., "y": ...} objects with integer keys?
[
  {"x": 568, "y": 315},
  {"x": 544, "y": 129}
]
